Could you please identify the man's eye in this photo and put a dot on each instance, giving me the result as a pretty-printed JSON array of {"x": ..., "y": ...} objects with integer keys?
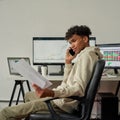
[{"x": 74, "y": 41}]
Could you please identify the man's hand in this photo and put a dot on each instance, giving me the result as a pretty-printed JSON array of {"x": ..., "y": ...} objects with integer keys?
[
  {"x": 43, "y": 92},
  {"x": 69, "y": 57}
]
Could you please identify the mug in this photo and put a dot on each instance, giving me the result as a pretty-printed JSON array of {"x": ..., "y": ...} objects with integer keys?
[{"x": 44, "y": 70}]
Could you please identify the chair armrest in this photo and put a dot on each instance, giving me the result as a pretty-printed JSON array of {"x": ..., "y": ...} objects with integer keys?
[
  {"x": 71, "y": 97},
  {"x": 51, "y": 109},
  {"x": 77, "y": 98}
]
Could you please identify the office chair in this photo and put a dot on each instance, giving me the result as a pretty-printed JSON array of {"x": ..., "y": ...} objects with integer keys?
[{"x": 86, "y": 102}]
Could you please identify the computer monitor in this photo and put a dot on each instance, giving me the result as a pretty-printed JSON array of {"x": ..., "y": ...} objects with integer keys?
[
  {"x": 92, "y": 41},
  {"x": 111, "y": 54},
  {"x": 49, "y": 50},
  {"x": 11, "y": 60}
]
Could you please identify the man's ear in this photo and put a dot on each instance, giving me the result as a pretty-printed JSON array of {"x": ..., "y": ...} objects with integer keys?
[{"x": 85, "y": 38}]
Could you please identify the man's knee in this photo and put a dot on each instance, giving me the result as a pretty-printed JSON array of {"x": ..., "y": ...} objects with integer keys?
[
  {"x": 29, "y": 96},
  {"x": 26, "y": 97},
  {"x": 4, "y": 114}
]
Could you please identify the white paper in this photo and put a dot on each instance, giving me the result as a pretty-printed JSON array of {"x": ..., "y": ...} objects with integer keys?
[{"x": 23, "y": 68}]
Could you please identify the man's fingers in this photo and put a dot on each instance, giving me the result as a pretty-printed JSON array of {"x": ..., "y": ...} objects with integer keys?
[{"x": 36, "y": 87}]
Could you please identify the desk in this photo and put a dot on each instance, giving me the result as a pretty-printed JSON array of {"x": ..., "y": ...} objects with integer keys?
[
  {"x": 60, "y": 78},
  {"x": 54, "y": 78},
  {"x": 104, "y": 78}
]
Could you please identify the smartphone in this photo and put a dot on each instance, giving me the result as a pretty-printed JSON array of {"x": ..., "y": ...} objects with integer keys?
[{"x": 71, "y": 52}]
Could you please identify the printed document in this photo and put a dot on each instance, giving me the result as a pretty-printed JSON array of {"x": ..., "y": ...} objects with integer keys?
[{"x": 23, "y": 68}]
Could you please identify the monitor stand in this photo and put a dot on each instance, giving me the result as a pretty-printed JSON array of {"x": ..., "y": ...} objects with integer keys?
[
  {"x": 115, "y": 70},
  {"x": 61, "y": 72}
]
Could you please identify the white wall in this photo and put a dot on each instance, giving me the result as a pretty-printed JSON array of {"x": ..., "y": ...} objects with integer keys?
[{"x": 20, "y": 20}]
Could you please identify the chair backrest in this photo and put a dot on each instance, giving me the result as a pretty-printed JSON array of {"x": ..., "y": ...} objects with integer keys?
[{"x": 91, "y": 90}]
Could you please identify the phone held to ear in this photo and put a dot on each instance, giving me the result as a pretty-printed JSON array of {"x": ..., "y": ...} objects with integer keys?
[{"x": 71, "y": 52}]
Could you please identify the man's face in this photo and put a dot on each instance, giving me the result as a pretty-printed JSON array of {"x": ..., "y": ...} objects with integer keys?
[{"x": 78, "y": 43}]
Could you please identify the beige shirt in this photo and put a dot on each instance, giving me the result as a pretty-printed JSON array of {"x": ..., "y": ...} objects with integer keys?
[{"x": 76, "y": 78}]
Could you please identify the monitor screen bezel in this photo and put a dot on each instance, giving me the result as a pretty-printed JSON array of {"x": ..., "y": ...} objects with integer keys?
[
  {"x": 46, "y": 38},
  {"x": 110, "y": 45}
]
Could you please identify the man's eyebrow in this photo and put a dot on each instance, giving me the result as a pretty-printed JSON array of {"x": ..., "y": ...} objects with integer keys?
[{"x": 72, "y": 39}]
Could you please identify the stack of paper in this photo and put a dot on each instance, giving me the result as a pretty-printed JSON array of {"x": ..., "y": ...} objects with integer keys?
[{"x": 23, "y": 68}]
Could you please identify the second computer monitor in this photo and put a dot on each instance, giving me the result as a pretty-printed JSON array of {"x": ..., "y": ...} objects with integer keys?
[{"x": 111, "y": 54}]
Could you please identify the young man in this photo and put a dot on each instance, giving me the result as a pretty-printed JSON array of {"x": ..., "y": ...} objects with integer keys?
[{"x": 74, "y": 83}]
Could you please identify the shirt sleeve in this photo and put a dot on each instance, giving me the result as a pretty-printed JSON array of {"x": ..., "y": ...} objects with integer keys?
[
  {"x": 67, "y": 70},
  {"x": 63, "y": 85}
]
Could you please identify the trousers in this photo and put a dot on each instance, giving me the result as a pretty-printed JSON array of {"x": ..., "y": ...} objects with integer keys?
[{"x": 32, "y": 104}]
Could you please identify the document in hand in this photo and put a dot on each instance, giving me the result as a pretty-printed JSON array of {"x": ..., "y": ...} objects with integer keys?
[{"x": 23, "y": 68}]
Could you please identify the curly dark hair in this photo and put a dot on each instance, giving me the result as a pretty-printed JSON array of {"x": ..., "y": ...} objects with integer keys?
[{"x": 82, "y": 30}]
